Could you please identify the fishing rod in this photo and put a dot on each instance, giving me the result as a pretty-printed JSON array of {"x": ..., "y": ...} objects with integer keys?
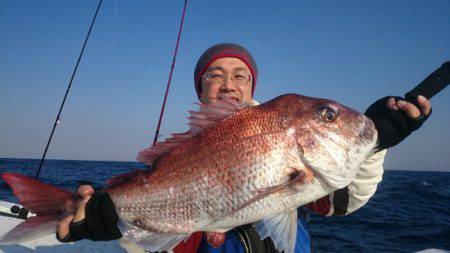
[
  {"x": 21, "y": 213},
  {"x": 17, "y": 212},
  {"x": 58, "y": 119},
  {"x": 432, "y": 85},
  {"x": 161, "y": 114}
]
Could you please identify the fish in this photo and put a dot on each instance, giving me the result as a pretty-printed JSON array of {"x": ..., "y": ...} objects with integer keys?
[{"x": 237, "y": 164}]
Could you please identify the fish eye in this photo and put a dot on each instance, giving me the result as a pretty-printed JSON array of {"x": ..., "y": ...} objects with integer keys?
[{"x": 328, "y": 114}]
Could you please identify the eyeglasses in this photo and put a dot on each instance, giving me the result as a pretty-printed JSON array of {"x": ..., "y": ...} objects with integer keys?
[{"x": 221, "y": 79}]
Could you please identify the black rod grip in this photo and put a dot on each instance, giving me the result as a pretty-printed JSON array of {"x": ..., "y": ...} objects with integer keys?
[{"x": 432, "y": 85}]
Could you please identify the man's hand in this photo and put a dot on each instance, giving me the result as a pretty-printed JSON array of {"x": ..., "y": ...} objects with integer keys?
[
  {"x": 410, "y": 109},
  {"x": 395, "y": 119},
  {"x": 95, "y": 218},
  {"x": 85, "y": 191}
]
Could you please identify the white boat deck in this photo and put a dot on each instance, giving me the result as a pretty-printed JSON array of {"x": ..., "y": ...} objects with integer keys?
[{"x": 49, "y": 243}]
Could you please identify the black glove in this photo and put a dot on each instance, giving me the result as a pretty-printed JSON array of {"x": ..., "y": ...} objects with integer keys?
[
  {"x": 392, "y": 126},
  {"x": 100, "y": 223}
]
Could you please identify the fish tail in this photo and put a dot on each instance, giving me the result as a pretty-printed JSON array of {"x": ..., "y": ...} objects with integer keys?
[{"x": 48, "y": 202}]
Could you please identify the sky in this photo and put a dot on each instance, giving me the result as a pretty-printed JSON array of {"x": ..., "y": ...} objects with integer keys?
[{"x": 354, "y": 52}]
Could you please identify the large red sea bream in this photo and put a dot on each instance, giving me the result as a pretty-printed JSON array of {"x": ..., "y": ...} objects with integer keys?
[{"x": 236, "y": 165}]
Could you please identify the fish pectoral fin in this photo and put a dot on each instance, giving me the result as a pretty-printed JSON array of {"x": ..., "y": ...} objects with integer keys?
[
  {"x": 148, "y": 240},
  {"x": 282, "y": 229},
  {"x": 294, "y": 182},
  {"x": 296, "y": 178}
]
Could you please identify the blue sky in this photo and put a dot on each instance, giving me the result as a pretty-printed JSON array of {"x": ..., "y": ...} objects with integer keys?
[{"x": 351, "y": 51}]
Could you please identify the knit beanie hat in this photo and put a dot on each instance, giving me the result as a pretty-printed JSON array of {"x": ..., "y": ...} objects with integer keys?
[{"x": 221, "y": 51}]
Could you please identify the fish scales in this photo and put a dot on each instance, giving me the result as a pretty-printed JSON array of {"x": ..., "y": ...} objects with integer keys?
[
  {"x": 216, "y": 173},
  {"x": 215, "y": 189}
]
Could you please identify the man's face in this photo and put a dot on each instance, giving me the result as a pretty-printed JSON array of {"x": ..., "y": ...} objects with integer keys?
[{"x": 227, "y": 66}]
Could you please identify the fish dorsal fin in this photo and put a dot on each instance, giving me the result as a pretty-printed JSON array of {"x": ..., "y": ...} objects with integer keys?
[
  {"x": 282, "y": 229},
  {"x": 208, "y": 115}
]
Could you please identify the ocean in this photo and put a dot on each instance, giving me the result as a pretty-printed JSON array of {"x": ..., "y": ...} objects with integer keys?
[{"x": 409, "y": 212}]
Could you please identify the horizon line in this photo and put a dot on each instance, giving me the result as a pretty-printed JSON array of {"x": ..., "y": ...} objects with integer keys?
[{"x": 124, "y": 161}]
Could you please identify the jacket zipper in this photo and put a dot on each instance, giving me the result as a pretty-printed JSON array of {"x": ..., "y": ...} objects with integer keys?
[{"x": 243, "y": 237}]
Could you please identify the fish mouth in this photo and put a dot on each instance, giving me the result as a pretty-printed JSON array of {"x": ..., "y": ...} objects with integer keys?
[{"x": 368, "y": 131}]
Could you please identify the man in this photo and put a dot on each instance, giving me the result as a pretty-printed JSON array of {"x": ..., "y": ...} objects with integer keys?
[{"x": 230, "y": 70}]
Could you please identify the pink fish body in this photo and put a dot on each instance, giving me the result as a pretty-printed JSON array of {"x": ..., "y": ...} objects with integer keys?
[{"x": 240, "y": 165}]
